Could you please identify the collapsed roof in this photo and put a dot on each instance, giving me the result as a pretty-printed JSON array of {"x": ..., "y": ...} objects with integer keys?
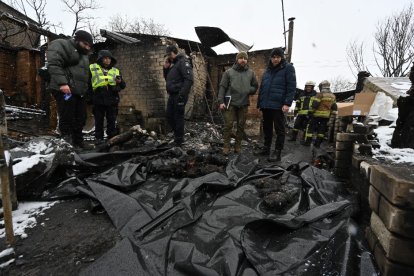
[{"x": 213, "y": 36}]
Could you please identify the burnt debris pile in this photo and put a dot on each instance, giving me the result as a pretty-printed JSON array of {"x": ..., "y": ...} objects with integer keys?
[{"x": 193, "y": 211}]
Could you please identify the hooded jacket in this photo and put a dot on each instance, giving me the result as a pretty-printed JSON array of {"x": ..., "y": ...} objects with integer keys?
[
  {"x": 239, "y": 83},
  {"x": 67, "y": 66},
  {"x": 107, "y": 94},
  {"x": 179, "y": 77},
  {"x": 278, "y": 86}
]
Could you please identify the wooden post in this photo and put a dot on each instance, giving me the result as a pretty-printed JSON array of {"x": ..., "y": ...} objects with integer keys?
[
  {"x": 290, "y": 39},
  {"x": 4, "y": 176}
]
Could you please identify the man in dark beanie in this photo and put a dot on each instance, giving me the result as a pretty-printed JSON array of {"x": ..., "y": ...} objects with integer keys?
[
  {"x": 276, "y": 94},
  {"x": 178, "y": 74},
  {"x": 106, "y": 83},
  {"x": 237, "y": 84},
  {"x": 68, "y": 66}
]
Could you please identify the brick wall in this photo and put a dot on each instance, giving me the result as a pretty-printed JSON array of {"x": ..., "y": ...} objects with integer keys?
[
  {"x": 142, "y": 68},
  {"x": 7, "y": 69},
  {"x": 258, "y": 61},
  {"x": 28, "y": 84},
  {"x": 18, "y": 76}
]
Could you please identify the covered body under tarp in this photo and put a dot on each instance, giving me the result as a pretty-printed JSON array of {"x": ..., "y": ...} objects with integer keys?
[{"x": 241, "y": 219}]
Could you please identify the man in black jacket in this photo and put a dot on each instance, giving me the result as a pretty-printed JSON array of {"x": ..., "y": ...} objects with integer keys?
[
  {"x": 106, "y": 83},
  {"x": 68, "y": 66},
  {"x": 178, "y": 74}
]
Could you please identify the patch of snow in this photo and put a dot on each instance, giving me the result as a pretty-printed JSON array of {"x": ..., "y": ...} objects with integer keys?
[
  {"x": 25, "y": 217},
  {"x": 402, "y": 87},
  {"x": 6, "y": 252},
  {"x": 7, "y": 157},
  {"x": 404, "y": 155},
  {"x": 7, "y": 263},
  {"x": 28, "y": 162}
]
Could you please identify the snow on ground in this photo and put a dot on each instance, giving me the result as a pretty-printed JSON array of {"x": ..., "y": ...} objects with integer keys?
[
  {"x": 4, "y": 253},
  {"x": 402, "y": 87},
  {"x": 405, "y": 155},
  {"x": 25, "y": 217},
  {"x": 40, "y": 151}
]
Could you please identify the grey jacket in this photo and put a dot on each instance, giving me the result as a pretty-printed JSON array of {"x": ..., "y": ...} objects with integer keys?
[
  {"x": 239, "y": 83},
  {"x": 67, "y": 66}
]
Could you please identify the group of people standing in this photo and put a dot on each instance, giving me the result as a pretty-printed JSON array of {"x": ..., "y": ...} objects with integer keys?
[
  {"x": 73, "y": 81},
  {"x": 276, "y": 94}
]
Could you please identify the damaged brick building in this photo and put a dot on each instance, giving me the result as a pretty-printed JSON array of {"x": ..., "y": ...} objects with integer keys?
[
  {"x": 140, "y": 59},
  {"x": 19, "y": 58}
]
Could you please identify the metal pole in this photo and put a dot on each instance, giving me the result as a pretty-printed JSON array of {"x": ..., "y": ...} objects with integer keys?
[
  {"x": 284, "y": 24},
  {"x": 290, "y": 45}
]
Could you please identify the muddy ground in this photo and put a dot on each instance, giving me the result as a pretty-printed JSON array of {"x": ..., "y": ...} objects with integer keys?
[{"x": 69, "y": 237}]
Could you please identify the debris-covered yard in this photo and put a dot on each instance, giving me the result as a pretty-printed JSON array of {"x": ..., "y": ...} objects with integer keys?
[{"x": 138, "y": 206}]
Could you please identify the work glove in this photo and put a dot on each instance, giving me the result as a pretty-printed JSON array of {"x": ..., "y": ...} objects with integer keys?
[{"x": 180, "y": 100}]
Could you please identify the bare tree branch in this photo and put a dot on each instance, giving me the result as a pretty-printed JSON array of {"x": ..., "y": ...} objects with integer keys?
[
  {"x": 355, "y": 55},
  {"x": 394, "y": 48},
  {"x": 339, "y": 84},
  {"x": 123, "y": 24},
  {"x": 79, "y": 9}
]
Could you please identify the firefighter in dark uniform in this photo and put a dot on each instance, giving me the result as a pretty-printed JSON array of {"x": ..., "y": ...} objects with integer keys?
[
  {"x": 302, "y": 110},
  {"x": 323, "y": 104},
  {"x": 178, "y": 74},
  {"x": 106, "y": 83}
]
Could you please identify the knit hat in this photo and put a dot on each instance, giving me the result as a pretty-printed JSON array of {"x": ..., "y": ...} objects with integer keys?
[
  {"x": 171, "y": 49},
  {"x": 278, "y": 52},
  {"x": 242, "y": 55},
  {"x": 82, "y": 35}
]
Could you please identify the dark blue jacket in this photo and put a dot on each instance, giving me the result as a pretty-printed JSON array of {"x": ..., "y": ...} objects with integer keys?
[{"x": 278, "y": 86}]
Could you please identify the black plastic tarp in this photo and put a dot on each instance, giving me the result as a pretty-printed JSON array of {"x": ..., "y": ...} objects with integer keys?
[
  {"x": 217, "y": 224},
  {"x": 245, "y": 220}
]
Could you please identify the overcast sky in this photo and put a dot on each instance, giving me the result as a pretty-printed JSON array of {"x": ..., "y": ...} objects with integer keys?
[{"x": 323, "y": 28}]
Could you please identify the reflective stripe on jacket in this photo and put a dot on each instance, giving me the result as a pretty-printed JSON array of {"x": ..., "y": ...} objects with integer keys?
[
  {"x": 323, "y": 104},
  {"x": 99, "y": 79},
  {"x": 304, "y": 102}
]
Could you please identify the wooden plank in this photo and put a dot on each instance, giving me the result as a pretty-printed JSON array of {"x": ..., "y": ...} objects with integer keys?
[
  {"x": 396, "y": 248},
  {"x": 396, "y": 220},
  {"x": 4, "y": 176}
]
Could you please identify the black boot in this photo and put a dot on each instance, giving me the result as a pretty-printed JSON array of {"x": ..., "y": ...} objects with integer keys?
[
  {"x": 275, "y": 156},
  {"x": 264, "y": 151}
]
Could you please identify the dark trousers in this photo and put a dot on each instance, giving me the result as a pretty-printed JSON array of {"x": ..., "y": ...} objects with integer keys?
[
  {"x": 175, "y": 117},
  {"x": 72, "y": 116},
  {"x": 301, "y": 124},
  {"x": 234, "y": 114},
  {"x": 319, "y": 126},
  {"x": 100, "y": 112},
  {"x": 274, "y": 119}
]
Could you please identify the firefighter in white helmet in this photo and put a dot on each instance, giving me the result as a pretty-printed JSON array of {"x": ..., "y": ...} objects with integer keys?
[{"x": 303, "y": 105}]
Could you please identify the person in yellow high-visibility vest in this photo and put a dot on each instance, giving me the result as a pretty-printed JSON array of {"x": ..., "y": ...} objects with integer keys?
[
  {"x": 303, "y": 105},
  {"x": 323, "y": 104},
  {"x": 106, "y": 82}
]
